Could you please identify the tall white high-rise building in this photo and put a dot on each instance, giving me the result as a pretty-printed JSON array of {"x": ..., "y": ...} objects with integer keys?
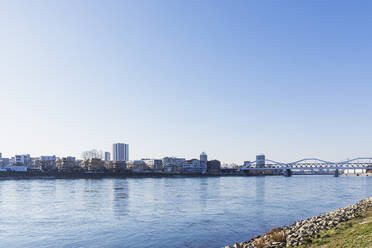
[{"x": 120, "y": 152}]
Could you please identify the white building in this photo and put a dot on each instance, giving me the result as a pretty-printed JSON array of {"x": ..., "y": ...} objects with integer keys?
[
  {"x": 192, "y": 166},
  {"x": 22, "y": 159},
  {"x": 155, "y": 164},
  {"x": 48, "y": 158},
  {"x": 172, "y": 164},
  {"x": 48, "y": 163},
  {"x": 137, "y": 165},
  {"x": 107, "y": 156},
  {"x": 168, "y": 161},
  {"x": 120, "y": 152}
]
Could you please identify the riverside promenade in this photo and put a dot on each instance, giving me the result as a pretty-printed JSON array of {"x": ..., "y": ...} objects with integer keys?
[{"x": 345, "y": 225}]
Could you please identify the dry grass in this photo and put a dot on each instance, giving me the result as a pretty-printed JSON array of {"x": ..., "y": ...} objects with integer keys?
[
  {"x": 356, "y": 233},
  {"x": 259, "y": 243},
  {"x": 277, "y": 235}
]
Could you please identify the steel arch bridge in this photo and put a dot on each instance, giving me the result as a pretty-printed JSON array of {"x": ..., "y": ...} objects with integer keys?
[{"x": 311, "y": 163}]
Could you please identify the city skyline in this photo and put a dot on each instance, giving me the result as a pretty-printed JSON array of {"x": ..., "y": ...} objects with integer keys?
[{"x": 234, "y": 79}]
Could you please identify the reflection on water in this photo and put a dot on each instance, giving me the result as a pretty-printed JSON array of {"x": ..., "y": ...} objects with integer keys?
[
  {"x": 163, "y": 212},
  {"x": 203, "y": 192},
  {"x": 260, "y": 191},
  {"x": 120, "y": 196}
]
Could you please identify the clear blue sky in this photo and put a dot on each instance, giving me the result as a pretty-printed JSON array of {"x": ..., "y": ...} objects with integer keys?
[{"x": 290, "y": 79}]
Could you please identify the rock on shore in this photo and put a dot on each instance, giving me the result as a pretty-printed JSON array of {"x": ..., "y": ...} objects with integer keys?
[{"x": 299, "y": 232}]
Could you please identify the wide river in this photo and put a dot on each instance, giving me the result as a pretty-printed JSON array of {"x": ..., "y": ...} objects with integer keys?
[{"x": 164, "y": 212}]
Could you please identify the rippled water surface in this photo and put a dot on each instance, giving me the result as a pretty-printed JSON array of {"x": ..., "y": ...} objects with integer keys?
[{"x": 164, "y": 212}]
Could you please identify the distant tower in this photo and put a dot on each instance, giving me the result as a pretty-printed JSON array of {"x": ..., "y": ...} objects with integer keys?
[
  {"x": 260, "y": 161},
  {"x": 107, "y": 156},
  {"x": 120, "y": 152},
  {"x": 204, "y": 162}
]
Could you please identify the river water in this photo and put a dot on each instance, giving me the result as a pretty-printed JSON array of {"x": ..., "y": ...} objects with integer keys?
[{"x": 164, "y": 212}]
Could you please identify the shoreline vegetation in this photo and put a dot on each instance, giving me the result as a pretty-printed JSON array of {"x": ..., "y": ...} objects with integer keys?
[{"x": 350, "y": 226}]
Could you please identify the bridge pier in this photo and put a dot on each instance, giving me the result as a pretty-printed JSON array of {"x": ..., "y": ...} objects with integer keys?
[
  {"x": 336, "y": 173},
  {"x": 287, "y": 172}
]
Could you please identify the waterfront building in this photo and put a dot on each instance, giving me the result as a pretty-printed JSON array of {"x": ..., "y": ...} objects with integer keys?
[
  {"x": 260, "y": 161},
  {"x": 137, "y": 165},
  {"x": 5, "y": 162},
  {"x": 21, "y": 160},
  {"x": 68, "y": 164},
  {"x": 173, "y": 164},
  {"x": 115, "y": 166},
  {"x": 155, "y": 164},
  {"x": 93, "y": 165},
  {"x": 204, "y": 162},
  {"x": 47, "y": 163},
  {"x": 35, "y": 165},
  {"x": 120, "y": 152},
  {"x": 107, "y": 156},
  {"x": 17, "y": 163},
  {"x": 214, "y": 167},
  {"x": 192, "y": 166}
]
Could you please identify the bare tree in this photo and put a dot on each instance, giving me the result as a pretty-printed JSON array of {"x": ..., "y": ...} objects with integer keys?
[{"x": 91, "y": 154}]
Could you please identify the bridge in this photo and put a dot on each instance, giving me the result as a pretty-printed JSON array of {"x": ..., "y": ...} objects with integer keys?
[{"x": 363, "y": 163}]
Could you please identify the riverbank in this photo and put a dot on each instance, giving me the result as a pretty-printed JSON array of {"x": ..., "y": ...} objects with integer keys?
[
  {"x": 4, "y": 175},
  {"x": 350, "y": 226},
  {"x": 10, "y": 175},
  {"x": 87, "y": 175}
]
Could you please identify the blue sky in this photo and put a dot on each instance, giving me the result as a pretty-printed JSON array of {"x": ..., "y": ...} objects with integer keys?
[{"x": 289, "y": 79}]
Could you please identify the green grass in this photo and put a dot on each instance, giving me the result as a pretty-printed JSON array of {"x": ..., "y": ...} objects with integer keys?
[{"x": 351, "y": 234}]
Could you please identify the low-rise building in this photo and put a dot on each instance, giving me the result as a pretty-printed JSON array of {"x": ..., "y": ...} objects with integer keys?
[
  {"x": 154, "y": 164},
  {"x": 35, "y": 165},
  {"x": 192, "y": 166},
  {"x": 93, "y": 165},
  {"x": 4, "y": 162},
  {"x": 68, "y": 164},
  {"x": 115, "y": 166},
  {"x": 137, "y": 165},
  {"x": 24, "y": 159},
  {"x": 47, "y": 163},
  {"x": 214, "y": 167},
  {"x": 173, "y": 164}
]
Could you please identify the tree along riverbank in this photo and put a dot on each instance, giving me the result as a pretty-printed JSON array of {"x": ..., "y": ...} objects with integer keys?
[{"x": 350, "y": 226}]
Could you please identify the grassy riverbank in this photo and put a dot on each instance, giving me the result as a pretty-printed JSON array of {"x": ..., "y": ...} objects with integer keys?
[
  {"x": 352, "y": 234},
  {"x": 350, "y": 226}
]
